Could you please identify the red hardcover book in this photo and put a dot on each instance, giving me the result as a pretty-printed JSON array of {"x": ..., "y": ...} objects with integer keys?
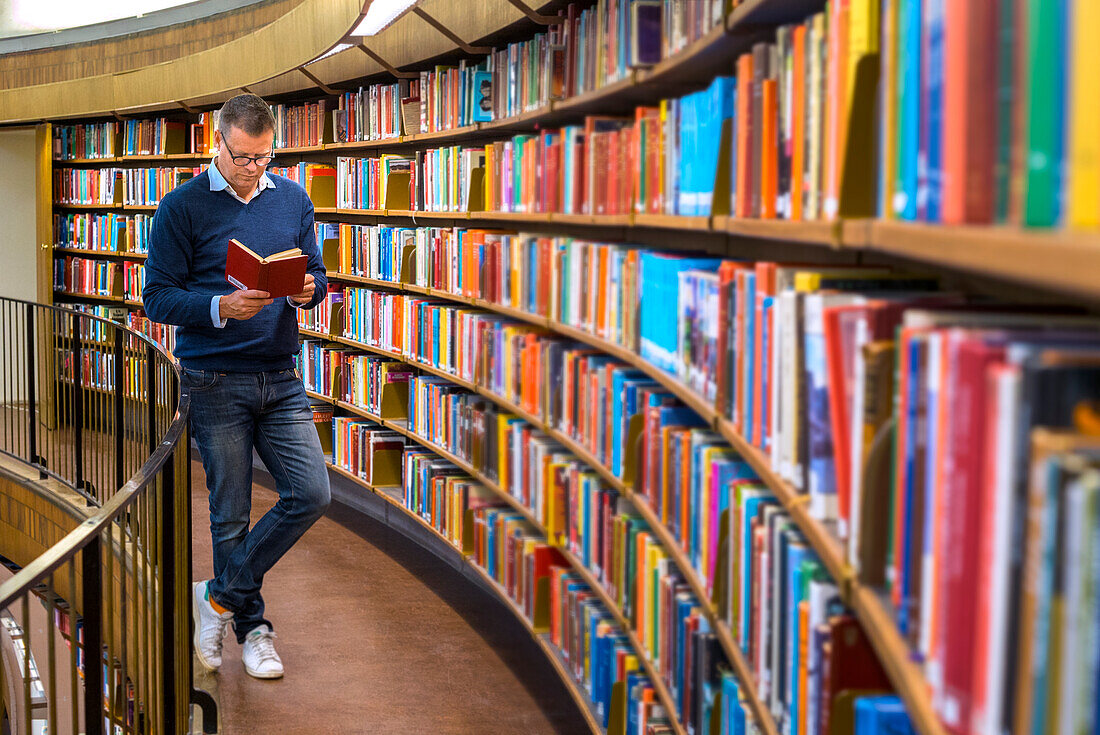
[
  {"x": 279, "y": 274},
  {"x": 852, "y": 664},
  {"x": 965, "y": 441},
  {"x": 765, "y": 287},
  {"x": 969, "y": 112}
]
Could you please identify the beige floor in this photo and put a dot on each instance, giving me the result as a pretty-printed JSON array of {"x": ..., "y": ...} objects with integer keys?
[{"x": 379, "y": 636}]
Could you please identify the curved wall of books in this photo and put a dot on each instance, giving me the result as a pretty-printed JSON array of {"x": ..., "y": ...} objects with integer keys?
[{"x": 683, "y": 442}]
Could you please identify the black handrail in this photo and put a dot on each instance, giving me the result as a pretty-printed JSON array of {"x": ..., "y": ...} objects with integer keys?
[{"x": 95, "y": 403}]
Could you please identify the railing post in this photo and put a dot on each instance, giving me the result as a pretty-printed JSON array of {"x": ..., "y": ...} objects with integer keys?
[
  {"x": 32, "y": 410},
  {"x": 168, "y": 622},
  {"x": 78, "y": 404},
  {"x": 151, "y": 397},
  {"x": 120, "y": 428},
  {"x": 92, "y": 596}
]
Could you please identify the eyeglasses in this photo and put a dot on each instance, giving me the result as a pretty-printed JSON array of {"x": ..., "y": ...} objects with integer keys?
[{"x": 243, "y": 160}]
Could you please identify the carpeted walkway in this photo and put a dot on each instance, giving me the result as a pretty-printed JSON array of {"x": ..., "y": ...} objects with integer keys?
[{"x": 379, "y": 636}]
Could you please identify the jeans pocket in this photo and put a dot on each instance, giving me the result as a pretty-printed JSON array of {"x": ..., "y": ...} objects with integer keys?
[{"x": 199, "y": 380}]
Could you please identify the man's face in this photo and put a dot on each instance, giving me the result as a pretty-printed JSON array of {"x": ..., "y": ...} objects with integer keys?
[{"x": 240, "y": 143}]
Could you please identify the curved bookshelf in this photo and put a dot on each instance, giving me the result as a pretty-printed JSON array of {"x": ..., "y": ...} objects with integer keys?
[
  {"x": 1056, "y": 260},
  {"x": 864, "y": 601},
  {"x": 401, "y": 427},
  {"x": 641, "y": 504},
  {"x": 580, "y": 696},
  {"x": 102, "y": 253}
]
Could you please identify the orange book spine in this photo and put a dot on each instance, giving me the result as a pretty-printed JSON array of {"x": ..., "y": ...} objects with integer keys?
[
  {"x": 601, "y": 291},
  {"x": 744, "y": 136},
  {"x": 836, "y": 123},
  {"x": 769, "y": 169},
  {"x": 798, "y": 114}
]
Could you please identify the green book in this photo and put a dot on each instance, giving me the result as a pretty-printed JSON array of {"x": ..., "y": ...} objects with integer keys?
[{"x": 1045, "y": 114}]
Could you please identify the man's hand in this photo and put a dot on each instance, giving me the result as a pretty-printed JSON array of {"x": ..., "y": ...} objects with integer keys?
[
  {"x": 307, "y": 291},
  {"x": 243, "y": 304}
]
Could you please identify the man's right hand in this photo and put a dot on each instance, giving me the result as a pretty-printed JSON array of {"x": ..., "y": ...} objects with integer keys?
[{"x": 243, "y": 304}]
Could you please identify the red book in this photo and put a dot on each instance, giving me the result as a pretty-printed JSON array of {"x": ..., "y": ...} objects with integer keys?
[
  {"x": 765, "y": 287},
  {"x": 280, "y": 274},
  {"x": 964, "y": 470},
  {"x": 851, "y": 663},
  {"x": 969, "y": 112}
]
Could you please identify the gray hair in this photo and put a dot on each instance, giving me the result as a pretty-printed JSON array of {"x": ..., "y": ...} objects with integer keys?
[{"x": 248, "y": 112}]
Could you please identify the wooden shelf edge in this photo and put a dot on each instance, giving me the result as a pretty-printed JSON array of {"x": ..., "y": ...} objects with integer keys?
[
  {"x": 1065, "y": 261},
  {"x": 666, "y": 538},
  {"x": 894, "y": 655},
  {"x": 584, "y": 702},
  {"x": 659, "y": 684},
  {"x": 101, "y": 253}
]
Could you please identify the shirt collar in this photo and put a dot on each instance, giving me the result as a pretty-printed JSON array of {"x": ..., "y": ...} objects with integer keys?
[{"x": 218, "y": 182}]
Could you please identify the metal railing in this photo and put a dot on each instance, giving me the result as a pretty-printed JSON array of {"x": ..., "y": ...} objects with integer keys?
[{"x": 94, "y": 630}]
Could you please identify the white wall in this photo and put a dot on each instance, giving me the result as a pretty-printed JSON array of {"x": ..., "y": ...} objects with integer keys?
[
  {"x": 18, "y": 250},
  {"x": 18, "y": 231}
]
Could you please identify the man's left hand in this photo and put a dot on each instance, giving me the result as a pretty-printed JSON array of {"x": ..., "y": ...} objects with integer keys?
[{"x": 307, "y": 291}]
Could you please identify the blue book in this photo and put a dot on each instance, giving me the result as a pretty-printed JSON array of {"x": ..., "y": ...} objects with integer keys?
[
  {"x": 717, "y": 103},
  {"x": 882, "y": 715},
  {"x": 909, "y": 113},
  {"x": 750, "y": 509},
  {"x": 599, "y": 637},
  {"x": 749, "y": 348},
  {"x": 688, "y": 135},
  {"x": 617, "y": 642},
  {"x": 619, "y": 415},
  {"x": 698, "y": 512},
  {"x": 1048, "y": 543},
  {"x": 658, "y": 278},
  {"x": 684, "y": 604},
  {"x": 766, "y": 367},
  {"x": 731, "y": 701},
  {"x": 930, "y": 200},
  {"x": 797, "y": 552},
  {"x": 635, "y": 683},
  {"x": 917, "y": 346},
  {"x": 622, "y": 426}
]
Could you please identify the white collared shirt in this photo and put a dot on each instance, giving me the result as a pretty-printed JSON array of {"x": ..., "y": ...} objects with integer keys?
[{"x": 218, "y": 182}]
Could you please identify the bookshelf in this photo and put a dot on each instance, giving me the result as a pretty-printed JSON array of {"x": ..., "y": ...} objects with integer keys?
[
  {"x": 580, "y": 696},
  {"x": 1063, "y": 263},
  {"x": 596, "y": 586}
]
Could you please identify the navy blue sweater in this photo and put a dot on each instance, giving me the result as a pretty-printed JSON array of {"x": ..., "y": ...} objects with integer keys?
[{"x": 186, "y": 268}]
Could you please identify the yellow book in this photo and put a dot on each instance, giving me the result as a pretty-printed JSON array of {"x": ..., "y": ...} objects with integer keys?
[
  {"x": 641, "y": 587},
  {"x": 656, "y": 554},
  {"x": 810, "y": 281},
  {"x": 889, "y": 108},
  {"x": 863, "y": 37},
  {"x": 503, "y": 425},
  {"x": 554, "y": 509},
  {"x": 1084, "y": 104}
]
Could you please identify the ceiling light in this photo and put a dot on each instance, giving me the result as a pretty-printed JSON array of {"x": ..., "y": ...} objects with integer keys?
[{"x": 380, "y": 14}]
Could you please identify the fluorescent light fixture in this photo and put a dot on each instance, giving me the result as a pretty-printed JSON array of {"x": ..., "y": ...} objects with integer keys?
[
  {"x": 380, "y": 14},
  {"x": 334, "y": 50}
]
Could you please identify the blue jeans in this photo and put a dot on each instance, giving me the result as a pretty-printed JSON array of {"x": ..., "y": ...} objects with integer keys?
[{"x": 230, "y": 414}]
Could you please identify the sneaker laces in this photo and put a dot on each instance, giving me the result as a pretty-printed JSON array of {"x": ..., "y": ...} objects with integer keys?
[
  {"x": 216, "y": 634},
  {"x": 262, "y": 645}
]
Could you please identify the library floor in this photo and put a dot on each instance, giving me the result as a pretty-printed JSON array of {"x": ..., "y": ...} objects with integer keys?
[{"x": 379, "y": 636}]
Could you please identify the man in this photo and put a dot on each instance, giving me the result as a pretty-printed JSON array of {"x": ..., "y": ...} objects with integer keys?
[{"x": 236, "y": 350}]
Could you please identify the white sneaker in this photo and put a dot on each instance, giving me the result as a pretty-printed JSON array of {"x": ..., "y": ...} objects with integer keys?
[
  {"x": 210, "y": 627},
  {"x": 260, "y": 659}
]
